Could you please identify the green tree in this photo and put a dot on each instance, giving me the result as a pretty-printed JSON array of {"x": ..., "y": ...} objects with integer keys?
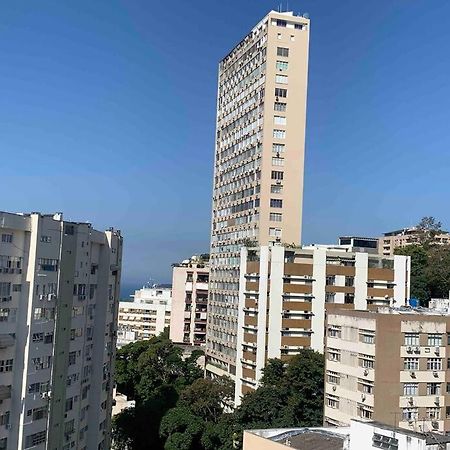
[
  {"x": 428, "y": 228},
  {"x": 419, "y": 286},
  {"x": 438, "y": 271}
]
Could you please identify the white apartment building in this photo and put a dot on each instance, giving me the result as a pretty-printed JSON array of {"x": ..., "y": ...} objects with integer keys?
[
  {"x": 285, "y": 293},
  {"x": 258, "y": 167},
  {"x": 389, "y": 365},
  {"x": 146, "y": 316},
  {"x": 59, "y": 287},
  {"x": 190, "y": 301}
]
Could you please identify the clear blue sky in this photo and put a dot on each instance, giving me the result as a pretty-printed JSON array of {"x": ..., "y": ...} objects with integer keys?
[{"x": 107, "y": 113}]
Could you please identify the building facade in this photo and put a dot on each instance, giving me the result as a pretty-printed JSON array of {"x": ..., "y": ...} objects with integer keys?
[
  {"x": 285, "y": 293},
  {"x": 146, "y": 316},
  {"x": 388, "y": 365},
  {"x": 259, "y": 159},
  {"x": 59, "y": 288},
  {"x": 404, "y": 237},
  {"x": 190, "y": 301}
]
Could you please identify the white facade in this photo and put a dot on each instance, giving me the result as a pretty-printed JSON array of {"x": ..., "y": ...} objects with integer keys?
[
  {"x": 59, "y": 287},
  {"x": 284, "y": 294},
  {"x": 146, "y": 316}
]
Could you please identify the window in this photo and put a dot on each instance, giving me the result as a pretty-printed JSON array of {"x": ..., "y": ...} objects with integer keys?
[
  {"x": 434, "y": 364},
  {"x": 334, "y": 331},
  {"x": 276, "y": 189},
  {"x": 72, "y": 358},
  {"x": 275, "y": 232},
  {"x": 7, "y": 238},
  {"x": 330, "y": 280},
  {"x": 282, "y": 65},
  {"x": 433, "y": 413},
  {"x": 277, "y": 162},
  {"x": 281, "y": 79},
  {"x": 381, "y": 441},
  {"x": 279, "y": 134},
  {"x": 281, "y": 107},
  {"x": 410, "y": 389},
  {"x": 329, "y": 297},
  {"x": 332, "y": 401},
  {"x": 281, "y": 23},
  {"x": 412, "y": 339},
  {"x": 367, "y": 336},
  {"x": 280, "y": 92},
  {"x": 334, "y": 354},
  {"x": 434, "y": 340},
  {"x": 279, "y": 120},
  {"x": 277, "y": 175},
  {"x": 433, "y": 388},
  {"x": 35, "y": 439},
  {"x": 364, "y": 411},
  {"x": 410, "y": 414},
  {"x": 333, "y": 377},
  {"x": 283, "y": 51},
  {"x": 349, "y": 298},
  {"x": 5, "y": 289},
  {"x": 411, "y": 363},
  {"x": 366, "y": 361},
  {"x": 299, "y": 26},
  {"x": 17, "y": 288},
  {"x": 6, "y": 365},
  {"x": 276, "y": 203},
  {"x": 69, "y": 404},
  {"x": 278, "y": 148},
  {"x": 38, "y": 337},
  {"x": 275, "y": 217}
]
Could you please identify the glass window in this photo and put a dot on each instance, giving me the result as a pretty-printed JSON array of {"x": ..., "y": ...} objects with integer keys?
[
  {"x": 276, "y": 203},
  {"x": 279, "y": 120},
  {"x": 282, "y": 65},
  {"x": 276, "y": 175},
  {"x": 434, "y": 364},
  {"x": 281, "y": 79},
  {"x": 434, "y": 340},
  {"x": 278, "y": 148},
  {"x": 433, "y": 388},
  {"x": 276, "y": 189},
  {"x": 279, "y": 134},
  {"x": 283, "y": 51},
  {"x": 412, "y": 339},
  {"x": 278, "y": 106},
  {"x": 410, "y": 414},
  {"x": 276, "y": 217},
  {"x": 411, "y": 363},
  {"x": 410, "y": 389},
  {"x": 281, "y": 23},
  {"x": 277, "y": 162},
  {"x": 275, "y": 232},
  {"x": 280, "y": 92}
]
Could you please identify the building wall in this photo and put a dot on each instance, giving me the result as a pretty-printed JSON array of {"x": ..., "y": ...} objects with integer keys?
[
  {"x": 248, "y": 127},
  {"x": 190, "y": 303},
  {"x": 405, "y": 390},
  {"x": 51, "y": 377},
  {"x": 146, "y": 316},
  {"x": 285, "y": 294},
  {"x": 387, "y": 244}
]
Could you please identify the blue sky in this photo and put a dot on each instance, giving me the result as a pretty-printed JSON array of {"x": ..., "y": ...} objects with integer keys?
[{"x": 107, "y": 113}]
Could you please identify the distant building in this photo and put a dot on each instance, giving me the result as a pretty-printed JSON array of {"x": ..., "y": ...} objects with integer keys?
[
  {"x": 404, "y": 237},
  {"x": 59, "y": 293},
  {"x": 190, "y": 301},
  {"x": 360, "y": 435},
  {"x": 388, "y": 365},
  {"x": 146, "y": 316},
  {"x": 359, "y": 244},
  {"x": 284, "y": 294}
]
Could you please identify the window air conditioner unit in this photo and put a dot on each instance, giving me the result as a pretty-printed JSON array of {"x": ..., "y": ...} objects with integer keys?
[
  {"x": 435, "y": 373},
  {"x": 334, "y": 388},
  {"x": 411, "y": 400},
  {"x": 366, "y": 372},
  {"x": 437, "y": 350},
  {"x": 363, "y": 397},
  {"x": 437, "y": 400},
  {"x": 409, "y": 350},
  {"x": 413, "y": 374}
]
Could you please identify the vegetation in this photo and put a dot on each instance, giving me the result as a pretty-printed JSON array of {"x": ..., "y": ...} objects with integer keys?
[
  {"x": 430, "y": 262},
  {"x": 176, "y": 409}
]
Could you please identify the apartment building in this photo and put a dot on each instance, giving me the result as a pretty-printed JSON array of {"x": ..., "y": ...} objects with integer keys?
[
  {"x": 146, "y": 316},
  {"x": 59, "y": 287},
  {"x": 404, "y": 237},
  {"x": 259, "y": 159},
  {"x": 359, "y": 244},
  {"x": 389, "y": 365},
  {"x": 190, "y": 301},
  {"x": 285, "y": 292}
]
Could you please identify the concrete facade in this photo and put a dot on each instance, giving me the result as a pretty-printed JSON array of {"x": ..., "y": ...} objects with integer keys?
[
  {"x": 59, "y": 287},
  {"x": 146, "y": 316},
  {"x": 258, "y": 168},
  {"x": 285, "y": 293},
  {"x": 190, "y": 301},
  {"x": 390, "y": 366}
]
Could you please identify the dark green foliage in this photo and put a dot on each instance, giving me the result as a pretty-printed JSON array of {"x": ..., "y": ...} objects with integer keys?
[{"x": 176, "y": 409}]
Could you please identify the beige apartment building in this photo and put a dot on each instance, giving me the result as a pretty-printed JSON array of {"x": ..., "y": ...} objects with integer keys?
[
  {"x": 146, "y": 316},
  {"x": 259, "y": 160},
  {"x": 59, "y": 293},
  {"x": 404, "y": 237},
  {"x": 190, "y": 301},
  {"x": 285, "y": 293},
  {"x": 389, "y": 365}
]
